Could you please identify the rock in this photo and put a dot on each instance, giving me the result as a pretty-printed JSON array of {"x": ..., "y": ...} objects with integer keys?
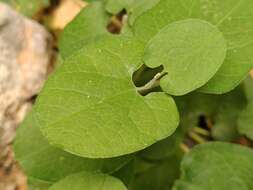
[{"x": 26, "y": 52}]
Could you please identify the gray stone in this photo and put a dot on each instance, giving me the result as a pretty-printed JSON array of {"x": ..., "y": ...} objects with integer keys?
[{"x": 25, "y": 54}]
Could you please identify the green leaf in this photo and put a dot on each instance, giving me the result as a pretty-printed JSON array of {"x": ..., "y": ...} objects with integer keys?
[
  {"x": 186, "y": 49},
  {"x": 159, "y": 177},
  {"x": 89, "y": 181},
  {"x": 134, "y": 8},
  {"x": 194, "y": 105},
  {"x": 126, "y": 173},
  {"x": 232, "y": 17},
  {"x": 142, "y": 165},
  {"x": 90, "y": 106},
  {"x": 36, "y": 184},
  {"x": 28, "y": 7},
  {"x": 90, "y": 1},
  {"x": 248, "y": 86},
  {"x": 217, "y": 166},
  {"x": 164, "y": 148},
  {"x": 222, "y": 110},
  {"x": 245, "y": 121},
  {"x": 43, "y": 162},
  {"x": 197, "y": 104},
  {"x": 90, "y": 23},
  {"x": 227, "y": 113}
]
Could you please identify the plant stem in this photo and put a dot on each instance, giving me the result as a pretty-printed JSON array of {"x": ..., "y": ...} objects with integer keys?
[
  {"x": 116, "y": 22},
  {"x": 197, "y": 138},
  {"x": 184, "y": 148},
  {"x": 201, "y": 131},
  {"x": 155, "y": 82}
]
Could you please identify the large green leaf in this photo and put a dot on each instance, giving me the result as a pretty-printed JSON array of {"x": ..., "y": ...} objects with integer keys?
[
  {"x": 85, "y": 28},
  {"x": 47, "y": 164},
  {"x": 89, "y": 181},
  {"x": 217, "y": 166},
  {"x": 90, "y": 106},
  {"x": 191, "y": 51},
  {"x": 232, "y": 17}
]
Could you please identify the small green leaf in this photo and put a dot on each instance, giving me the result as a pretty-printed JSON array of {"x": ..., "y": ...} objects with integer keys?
[
  {"x": 36, "y": 184},
  {"x": 160, "y": 176},
  {"x": 142, "y": 165},
  {"x": 245, "y": 121},
  {"x": 227, "y": 113},
  {"x": 89, "y": 181},
  {"x": 85, "y": 28},
  {"x": 217, "y": 166},
  {"x": 191, "y": 51},
  {"x": 248, "y": 88},
  {"x": 164, "y": 148},
  {"x": 90, "y": 106},
  {"x": 221, "y": 110},
  {"x": 42, "y": 162},
  {"x": 126, "y": 173},
  {"x": 196, "y": 104}
]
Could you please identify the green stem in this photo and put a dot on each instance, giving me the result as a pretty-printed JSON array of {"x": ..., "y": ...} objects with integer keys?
[
  {"x": 155, "y": 82},
  {"x": 201, "y": 131},
  {"x": 184, "y": 148},
  {"x": 197, "y": 138}
]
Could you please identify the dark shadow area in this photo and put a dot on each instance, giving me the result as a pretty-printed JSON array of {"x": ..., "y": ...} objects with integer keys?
[
  {"x": 147, "y": 79},
  {"x": 145, "y": 74},
  {"x": 116, "y": 22}
]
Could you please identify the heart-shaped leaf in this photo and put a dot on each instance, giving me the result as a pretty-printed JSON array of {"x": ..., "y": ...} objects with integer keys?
[
  {"x": 191, "y": 51},
  {"x": 232, "y": 17},
  {"x": 89, "y": 181},
  {"x": 90, "y": 106},
  {"x": 217, "y": 165}
]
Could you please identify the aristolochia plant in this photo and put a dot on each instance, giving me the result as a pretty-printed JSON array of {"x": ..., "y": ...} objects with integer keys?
[{"x": 120, "y": 109}]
